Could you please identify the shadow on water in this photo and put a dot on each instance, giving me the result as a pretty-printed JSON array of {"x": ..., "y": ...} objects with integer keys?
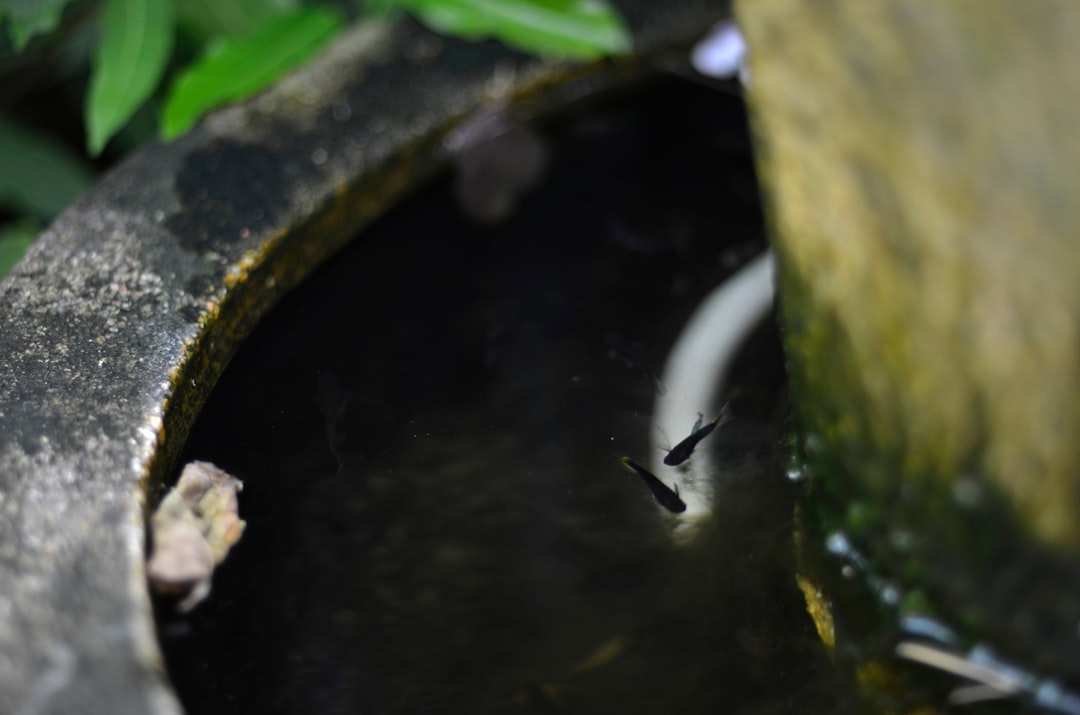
[{"x": 428, "y": 432}]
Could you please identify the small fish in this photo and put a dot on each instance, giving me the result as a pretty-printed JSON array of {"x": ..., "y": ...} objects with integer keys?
[
  {"x": 682, "y": 451},
  {"x": 667, "y": 498}
]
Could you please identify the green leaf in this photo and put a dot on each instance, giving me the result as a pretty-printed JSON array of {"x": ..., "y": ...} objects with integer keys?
[
  {"x": 379, "y": 9},
  {"x": 27, "y": 18},
  {"x": 38, "y": 175},
  {"x": 581, "y": 29},
  {"x": 15, "y": 238},
  {"x": 137, "y": 38},
  {"x": 237, "y": 69},
  {"x": 231, "y": 18}
]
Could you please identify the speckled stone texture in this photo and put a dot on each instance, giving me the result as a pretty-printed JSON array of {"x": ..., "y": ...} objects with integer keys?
[{"x": 122, "y": 316}]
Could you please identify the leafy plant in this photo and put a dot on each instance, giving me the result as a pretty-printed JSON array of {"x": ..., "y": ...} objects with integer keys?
[
  {"x": 39, "y": 176},
  {"x": 137, "y": 37},
  {"x": 237, "y": 68},
  {"x": 582, "y": 29},
  {"x": 27, "y": 18},
  {"x": 179, "y": 59}
]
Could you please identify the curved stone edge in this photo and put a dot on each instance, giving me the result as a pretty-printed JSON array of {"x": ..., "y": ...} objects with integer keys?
[{"x": 122, "y": 316}]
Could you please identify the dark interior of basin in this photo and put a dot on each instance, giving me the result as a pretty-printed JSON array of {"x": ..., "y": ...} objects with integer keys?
[{"x": 428, "y": 431}]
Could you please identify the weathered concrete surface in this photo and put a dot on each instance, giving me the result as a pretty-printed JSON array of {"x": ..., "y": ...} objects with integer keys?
[
  {"x": 120, "y": 319},
  {"x": 924, "y": 170}
]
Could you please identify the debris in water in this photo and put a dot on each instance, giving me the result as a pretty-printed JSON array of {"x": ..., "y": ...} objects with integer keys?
[
  {"x": 193, "y": 529},
  {"x": 542, "y": 695},
  {"x": 331, "y": 399},
  {"x": 603, "y": 655}
]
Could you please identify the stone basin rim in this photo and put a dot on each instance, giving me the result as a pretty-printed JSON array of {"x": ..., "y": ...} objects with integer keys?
[{"x": 119, "y": 320}]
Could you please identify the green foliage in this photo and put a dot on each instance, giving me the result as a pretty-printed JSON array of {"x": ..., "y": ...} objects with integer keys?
[
  {"x": 27, "y": 18},
  {"x": 248, "y": 44},
  {"x": 14, "y": 240},
  {"x": 137, "y": 37},
  {"x": 242, "y": 47},
  {"x": 212, "y": 19},
  {"x": 379, "y": 9},
  {"x": 38, "y": 176},
  {"x": 581, "y": 29},
  {"x": 235, "y": 69}
]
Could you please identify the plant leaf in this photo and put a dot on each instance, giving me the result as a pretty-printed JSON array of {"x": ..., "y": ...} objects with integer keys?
[
  {"x": 28, "y": 18},
  {"x": 237, "y": 69},
  {"x": 378, "y": 9},
  {"x": 15, "y": 238},
  {"x": 232, "y": 18},
  {"x": 137, "y": 38},
  {"x": 38, "y": 175},
  {"x": 580, "y": 29}
]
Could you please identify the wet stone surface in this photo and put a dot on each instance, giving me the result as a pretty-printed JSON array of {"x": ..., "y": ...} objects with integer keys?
[
  {"x": 931, "y": 320},
  {"x": 429, "y": 433}
]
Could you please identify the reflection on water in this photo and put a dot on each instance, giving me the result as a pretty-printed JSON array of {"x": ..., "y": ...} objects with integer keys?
[{"x": 429, "y": 434}]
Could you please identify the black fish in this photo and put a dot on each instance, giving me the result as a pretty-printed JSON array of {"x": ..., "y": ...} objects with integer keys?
[
  {"x": 667, "y": 498},
  {"x": 682, "y": 451}
]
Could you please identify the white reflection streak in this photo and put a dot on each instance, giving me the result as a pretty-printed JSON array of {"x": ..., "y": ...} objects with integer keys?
[
  {"x": 986, "y": 677},
  {"x": 695, "y": 370},
  {"x": 991, "y": 679}
]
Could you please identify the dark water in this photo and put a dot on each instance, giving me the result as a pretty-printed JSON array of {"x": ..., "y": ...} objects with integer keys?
[{"x": 429, "y": 430}]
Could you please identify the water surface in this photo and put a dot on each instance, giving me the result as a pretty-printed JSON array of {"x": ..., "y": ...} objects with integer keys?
[{"x": 429, "y": 429}]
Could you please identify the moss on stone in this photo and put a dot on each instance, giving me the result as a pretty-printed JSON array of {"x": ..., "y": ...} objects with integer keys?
[{"x": 920, "y": 164}]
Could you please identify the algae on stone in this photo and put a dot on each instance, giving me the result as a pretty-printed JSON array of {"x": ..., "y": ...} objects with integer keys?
[{"x": 921, "y": 164}]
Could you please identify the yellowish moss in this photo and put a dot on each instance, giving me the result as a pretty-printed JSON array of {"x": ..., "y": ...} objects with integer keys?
[
  {"x": 920, "y": 164},
  {"x": 820, "y": 611}
]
